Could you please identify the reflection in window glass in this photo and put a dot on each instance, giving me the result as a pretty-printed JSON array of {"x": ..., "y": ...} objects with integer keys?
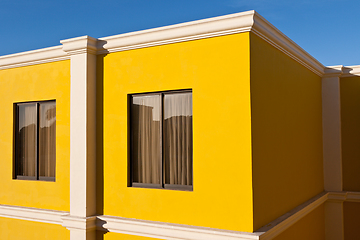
[
  {"x": 146, "y": 154},
  {"x": 47, "y": 130},
  {"x": 178, "y": 138},
  {"x": 27, "y": 139}
]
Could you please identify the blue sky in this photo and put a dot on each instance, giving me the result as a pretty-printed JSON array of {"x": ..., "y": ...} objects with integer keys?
[{"x": 327, "y": 29}]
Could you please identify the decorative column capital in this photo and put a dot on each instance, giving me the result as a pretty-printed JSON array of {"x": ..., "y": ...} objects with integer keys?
[
  {"x": 333, "y": 71},
  {"x": 78, "y": 45}
]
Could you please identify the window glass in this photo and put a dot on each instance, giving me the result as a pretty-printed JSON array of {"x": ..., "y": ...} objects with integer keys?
[
  {"x": 178, "y": 138},
  {"x": 161, "y": 135},
  {"x": 35, "y": 140},
  {"x": 27, "y": 139},
  {"x": 47, "y": 130},
  {"x": 146, "y": 154}
]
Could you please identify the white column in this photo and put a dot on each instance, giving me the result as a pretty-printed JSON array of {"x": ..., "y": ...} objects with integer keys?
[
  {"x": 332, "y": 129},
  {"x": 332, "y": 153},
  {"x": 334, "y": 217},
  {"x": 81, "y": 221}
]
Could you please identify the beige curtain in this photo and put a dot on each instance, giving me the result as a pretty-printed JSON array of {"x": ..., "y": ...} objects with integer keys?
[
  {"x": 27, "y": 140},
  {"x": 146, "y": 113},
  {"x": 178, "y": 138},
  {"x": 47, "y": 139}
]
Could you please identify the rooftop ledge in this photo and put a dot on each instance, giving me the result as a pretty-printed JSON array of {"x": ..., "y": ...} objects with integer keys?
[{"x": 249, "y": 21}]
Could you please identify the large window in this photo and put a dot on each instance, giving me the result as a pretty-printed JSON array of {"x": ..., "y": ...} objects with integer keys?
[
  {"x": 35, "y": 140},
  {"x": 161, "y": 140}
]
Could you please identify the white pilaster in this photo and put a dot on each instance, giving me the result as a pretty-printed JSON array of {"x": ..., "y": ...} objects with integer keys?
[
  {"x": 331, "y": 112},
  {"x": 334, "y": 217},
  {"x": 82, "y": 51},
  {"x": 332, "y": 153}
]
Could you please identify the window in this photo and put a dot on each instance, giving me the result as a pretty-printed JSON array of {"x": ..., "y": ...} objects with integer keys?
[
  {"x": 161, "y": 140},
  {"x": 35, "y": 140}
]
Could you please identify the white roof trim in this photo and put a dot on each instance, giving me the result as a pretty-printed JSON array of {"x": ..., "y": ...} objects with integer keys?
[
  {"x": 28, "y": 58},
  {"x": 351, "y": 71},
  {"x": 205, "y": 28},
  {"x": 342, "y": 71},
  {"x": 249, "y": 21},
  {"x": 275, "y": 37}
]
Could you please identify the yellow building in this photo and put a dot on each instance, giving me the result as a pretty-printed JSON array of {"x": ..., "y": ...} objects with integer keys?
[{"x": 219, "y": 129}]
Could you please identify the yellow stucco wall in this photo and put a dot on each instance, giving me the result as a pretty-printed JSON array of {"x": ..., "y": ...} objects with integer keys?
[
  {"x": 310, "y": 227},
  {"x": 350, "y": 132},
  {"x": 36, "y": 83},
  {"x": 351, "y": 220},
  {"x": 217, "y": 71},
  {"x": 286, "y": 132},
  {"x": 9, "y": 230}
]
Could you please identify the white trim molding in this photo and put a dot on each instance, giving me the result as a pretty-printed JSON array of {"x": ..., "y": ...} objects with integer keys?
[
  {"x": 282, "y": 223},
  {"x": 205, "y": 28},
  {"x": 81, "y": 225},
  {"x": 44, "y": 55},
  {"x": 249, "y": 21},
  {"x": 276, "y": 38},
  {"x": 168, "y": 231},
  {"x": 350, "y": 71},
  {"x": 342, "y": 71},
  {"x": 32, "y": 214}
]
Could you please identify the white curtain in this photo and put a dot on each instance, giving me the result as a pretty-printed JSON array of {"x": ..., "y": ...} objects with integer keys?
[
  {"x": 178, "y": 138},
  {"x": 146, "y": 130},
  {"x": 27, "y": 138},
  {"x": 47, "y": 139}
]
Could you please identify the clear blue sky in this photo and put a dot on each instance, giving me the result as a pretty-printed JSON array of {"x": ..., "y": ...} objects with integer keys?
[{"x": 327, "y": 29}]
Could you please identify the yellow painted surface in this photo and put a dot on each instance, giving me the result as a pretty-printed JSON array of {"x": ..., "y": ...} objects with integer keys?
[
  {"x": 14, "y": 229},
  {"x": 119, "y": 236},
  {"x": 286, "y": 132},
  {"x": 351, "y": 220},
  {"x": 310, "y": 227},
  {"x": 36, "y": 83},
  {"x": 350, "y": 132},
  {"x": 217, "y": 71}
]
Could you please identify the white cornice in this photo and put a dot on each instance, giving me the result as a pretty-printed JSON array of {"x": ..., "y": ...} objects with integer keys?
[
  {"x": 249, "y": 21},
  {"x": 275, "y": 37},
  {"x": 205, "y": 28},
  {"x": 342, "y": 71},
  {"x": 44, "y": 55},
  {"x": 351, "y": 71},
  {"x": 78, "y": 45},
  {"x": 32, "y": 214},
  {"x": 333, "y": 71}
]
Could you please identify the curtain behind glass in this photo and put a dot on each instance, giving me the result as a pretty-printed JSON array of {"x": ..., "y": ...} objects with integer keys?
[
  {"x": 146, "y": 134},
  {"x": 26, "y": 147},
  {"x": 178, "y": 138},
  {"x": 47, "y": 139}
]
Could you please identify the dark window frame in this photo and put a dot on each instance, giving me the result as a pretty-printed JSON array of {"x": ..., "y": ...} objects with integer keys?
[
  {"x": 16, "y": 162},
  {"x": 162, "y": 184}
]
